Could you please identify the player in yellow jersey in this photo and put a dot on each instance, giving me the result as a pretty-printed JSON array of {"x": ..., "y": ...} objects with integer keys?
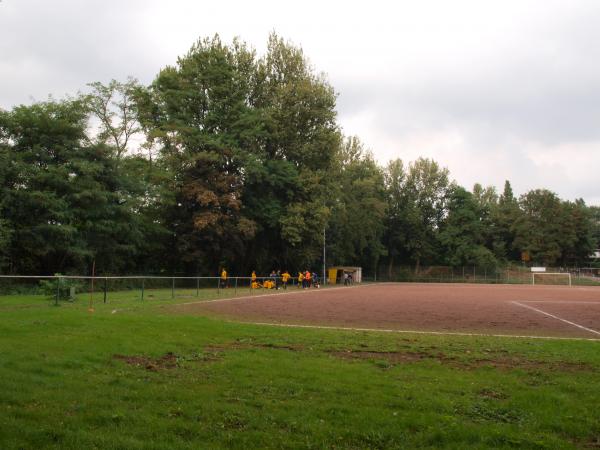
[
  {"x": 223, "y": 278},
  {"x": 284, "y": 278}
]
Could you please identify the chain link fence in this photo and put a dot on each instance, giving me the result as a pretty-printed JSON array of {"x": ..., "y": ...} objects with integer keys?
[
  {"x": 128, "y": 289},
  {"x": 111, "y": 289},
  {"x": 474, "y": 274}
]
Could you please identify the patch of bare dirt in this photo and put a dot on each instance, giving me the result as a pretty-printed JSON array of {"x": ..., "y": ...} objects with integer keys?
[
  {"x": 391, "y": 357},
  {"x": 592, "y": 443},
  {"x": 167, "y": 361},
  {"x": 525, "y": 364},
  {"x": 491, "y": 394},
  {"x": 251, "y": 345},
  {"x": 504, "y": 363}
]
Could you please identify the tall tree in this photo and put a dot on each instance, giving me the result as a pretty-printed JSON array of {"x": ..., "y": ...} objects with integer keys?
[
  {"x": 44, "y": 139},
  {"x": 595, "y": 218},
  {"x": 288, "y": 185},
  {"x": 62, "y": 194},
  {"x": 503, "y": 215},
  {"x": 197, "y": 111},
  {"x": 358, "y": 213},
  {"x": 113, "y": 105},
  {"x": 579, "y": 228},
  {"x": 248, "y": 142},
  {"x": 6, "y": 227},
  {"x": 462, "y": 233},
  {"x": 428, "y": 187},
  {"x": 540, "y": 229},
  {"x": 396, "y": 223}
]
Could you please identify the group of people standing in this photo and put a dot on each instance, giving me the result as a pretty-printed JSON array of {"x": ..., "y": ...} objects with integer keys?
[
  {"x": 308, "y": 279},
  {"x": 277, "y": 280}
]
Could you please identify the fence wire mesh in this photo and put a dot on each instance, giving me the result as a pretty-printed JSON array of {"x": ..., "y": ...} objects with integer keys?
[
  {"x": 474, "y": 274},
  {"x": 125, "y": 289},
  {"x": 136, "y": 289}
]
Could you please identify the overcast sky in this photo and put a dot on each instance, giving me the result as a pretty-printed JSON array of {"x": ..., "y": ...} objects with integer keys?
[{"x": 493, "y": 90}]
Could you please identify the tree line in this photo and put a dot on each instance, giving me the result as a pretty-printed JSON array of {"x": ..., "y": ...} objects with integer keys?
[{"x": 230, "y": 158}]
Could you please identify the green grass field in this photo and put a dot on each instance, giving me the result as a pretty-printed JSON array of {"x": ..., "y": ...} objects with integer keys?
[{"x": 145, "y": 377}]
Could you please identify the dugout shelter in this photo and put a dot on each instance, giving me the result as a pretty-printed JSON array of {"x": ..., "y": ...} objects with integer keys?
[{"x": 335, "y": 275}]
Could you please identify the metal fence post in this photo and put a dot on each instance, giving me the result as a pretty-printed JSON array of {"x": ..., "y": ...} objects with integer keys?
[
  {"x": 218, "y": 286},
  {"x": 173, "y": 289},
  {"x": 57, "y": 291},
  {"x": 197, "y": 287},
  {"x": 105, "y": 288},
  {"x": 236, "y": 281},
  {"x": 143, "y": 283}
]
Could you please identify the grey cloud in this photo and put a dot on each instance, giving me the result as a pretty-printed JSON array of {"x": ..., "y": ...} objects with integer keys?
[
  {"x": 535, "y": 80},
  {"x": 57, "y": 47}
]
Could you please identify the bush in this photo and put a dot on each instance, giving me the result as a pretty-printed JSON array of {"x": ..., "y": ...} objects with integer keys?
[{"x": 49, "y": 287}]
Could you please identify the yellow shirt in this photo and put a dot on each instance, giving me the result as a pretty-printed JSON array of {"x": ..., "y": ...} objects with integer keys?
[
  {"x": 300, "y": 276},
  {"x": 285, "y": 277},
  {"x": 253, "y": 275},
  {"x": 224, "y": 275}
]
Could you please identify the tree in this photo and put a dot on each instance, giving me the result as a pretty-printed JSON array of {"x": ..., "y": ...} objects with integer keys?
[
  {"x": 462, "y": 233},
  {"x": 6, "y": 228},
  {"x": 595, "y": 218},
  {"x": 248, "y": 143},
  {"x": 579, "y": 226},
  {"x": 63, "y": 194},
  {"x": 427, "y": 189},
  {"x": 503, "y": 216},
  {"x": 198, "y": 111},
  {"x": 288, "y": 183},
  {"x": 540, "y": 229},
  {"x": 396, "y": 223},
  {"x": 114, "y": 107},
  {"x": 42, "y": 139},
  {"x": 358, "y": 213}
]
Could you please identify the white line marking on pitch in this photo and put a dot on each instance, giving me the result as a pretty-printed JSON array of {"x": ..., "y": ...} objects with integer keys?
[
  {"x": 245, "y": 297},
  {"x": 561, "y": 302},
  {"x": 558, "y": 318},
  {"x": 437, "y": 333}
]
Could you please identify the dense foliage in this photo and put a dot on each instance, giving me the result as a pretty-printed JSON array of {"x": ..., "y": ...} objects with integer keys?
[{"x": 233, "y": 159}]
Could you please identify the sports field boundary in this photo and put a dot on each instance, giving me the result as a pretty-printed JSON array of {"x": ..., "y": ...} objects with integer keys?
[
  {"x": 556, "y": 317},
  {"x": 247, "y": 297},
  {"x": 274, "y": 294},
  {"x": 422, "y": 332}
]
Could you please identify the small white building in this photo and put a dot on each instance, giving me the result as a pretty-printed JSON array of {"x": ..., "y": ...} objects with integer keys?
[{"x": 335, "y": 275}]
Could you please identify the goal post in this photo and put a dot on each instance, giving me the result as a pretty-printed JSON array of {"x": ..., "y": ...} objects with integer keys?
[{"x": 550, "y": 278}]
